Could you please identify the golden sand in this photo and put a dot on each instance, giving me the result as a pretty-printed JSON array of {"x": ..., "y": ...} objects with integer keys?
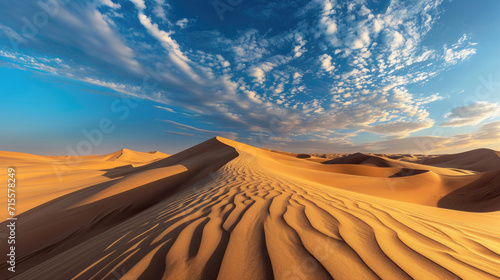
[{"x": 226, "y": 210}]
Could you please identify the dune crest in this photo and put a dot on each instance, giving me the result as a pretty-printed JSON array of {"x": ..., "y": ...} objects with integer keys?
[
  {"x": 130, "y": 156},
  {"x": 227, "y": 210}
]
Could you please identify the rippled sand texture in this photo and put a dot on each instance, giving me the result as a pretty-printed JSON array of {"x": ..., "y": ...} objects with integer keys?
[{"x": 225, "y": 210}]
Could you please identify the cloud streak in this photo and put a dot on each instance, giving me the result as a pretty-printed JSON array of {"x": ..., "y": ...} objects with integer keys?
[{"x": 472, "y": 114}]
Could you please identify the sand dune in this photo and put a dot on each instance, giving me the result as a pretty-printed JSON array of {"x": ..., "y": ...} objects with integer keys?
[
  {"x": 481, "y": 160},
  {"x": 129, "y": 156},
  {"x": 226, "y": 210},
  {"x": 383, "y": 161},
  {"x": 45, "y": 178},
  {"x": 478, "y": 196}
]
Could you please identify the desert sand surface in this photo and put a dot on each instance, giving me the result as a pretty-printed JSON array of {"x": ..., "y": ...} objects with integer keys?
[
  {"x": 45, "y": 178},
  {"x": 226, "y": 210}
]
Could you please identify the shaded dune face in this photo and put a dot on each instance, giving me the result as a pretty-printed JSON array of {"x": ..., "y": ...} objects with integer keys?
[
  {"x": 225, "y": 210},
  {"x": 482, "y": 160},
  {"x": 482, "y": 195}
]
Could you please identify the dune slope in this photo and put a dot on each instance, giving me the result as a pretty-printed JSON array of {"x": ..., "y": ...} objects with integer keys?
[
  {"x": 62, "y": 223},
  {"x": 479, "y": 196},
  {"x": 45, "y": 178},
  {"x": 482, "y": 160},
  {"x": 254, "y": 217}
]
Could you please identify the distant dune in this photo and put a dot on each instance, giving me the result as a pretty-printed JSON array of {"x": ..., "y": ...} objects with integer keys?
[
  {"x": 478, "y": 160},
  {"x": 226, "y": 210}
]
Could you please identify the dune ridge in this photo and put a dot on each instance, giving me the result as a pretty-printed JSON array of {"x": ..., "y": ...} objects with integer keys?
[
  {"x": 226, "y": 210},
  {"x": 130, "y": 156}
]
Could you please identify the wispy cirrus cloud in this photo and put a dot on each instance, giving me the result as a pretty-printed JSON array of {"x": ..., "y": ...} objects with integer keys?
[
  {"x": 472, "y": 114},
  {"x": 226, "y": 134},
  {"x": 179, "y": 133},
  {"x": 165, "y": 109}
]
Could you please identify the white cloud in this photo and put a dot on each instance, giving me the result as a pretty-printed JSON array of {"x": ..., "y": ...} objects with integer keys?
[
  {"x": 487, "y": 134},
  {"x": 460, "y": 51},
  {"x": 182, "y": 22},
  {"x": 299, "y": 48},
  {"x": 279, "y": 89},
  {"x": 230, "y": 135},
  {"x": 179, "y": 133},
  {"x": 173, "y": 48},
  {"x": 110, "y": 4},
  {"x": 326, "y": 63},
  {"x": 249, "y": 46},
  {"x": 378, "y": 24},
  {"x": 429, "y": 99},
  {"x": 400, "y": 129},
  {"x": 362, "y": 38},
  {"x": 83, "y": 30},
  {"x": 252, "y": 95},
  {"x": 140, "y": 5},
  {"x": 258, "y": 74},
  {"x": 452, "y": 56},
  {"x": 165, "y": 109},
  {"x": 159, "y": 10},
  {"x": 393, "y": 39},
  {"x": 101, "y": 40},
  {"x": 472, "y": 114},
  {"x": 327, "y": 23}
]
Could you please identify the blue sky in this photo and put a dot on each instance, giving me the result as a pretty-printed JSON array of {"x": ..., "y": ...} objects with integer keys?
[{"x": 305, "y": 76}]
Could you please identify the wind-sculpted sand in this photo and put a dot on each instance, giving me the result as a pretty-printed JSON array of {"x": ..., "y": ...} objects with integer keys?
[{"x": 225, "y": 210}]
